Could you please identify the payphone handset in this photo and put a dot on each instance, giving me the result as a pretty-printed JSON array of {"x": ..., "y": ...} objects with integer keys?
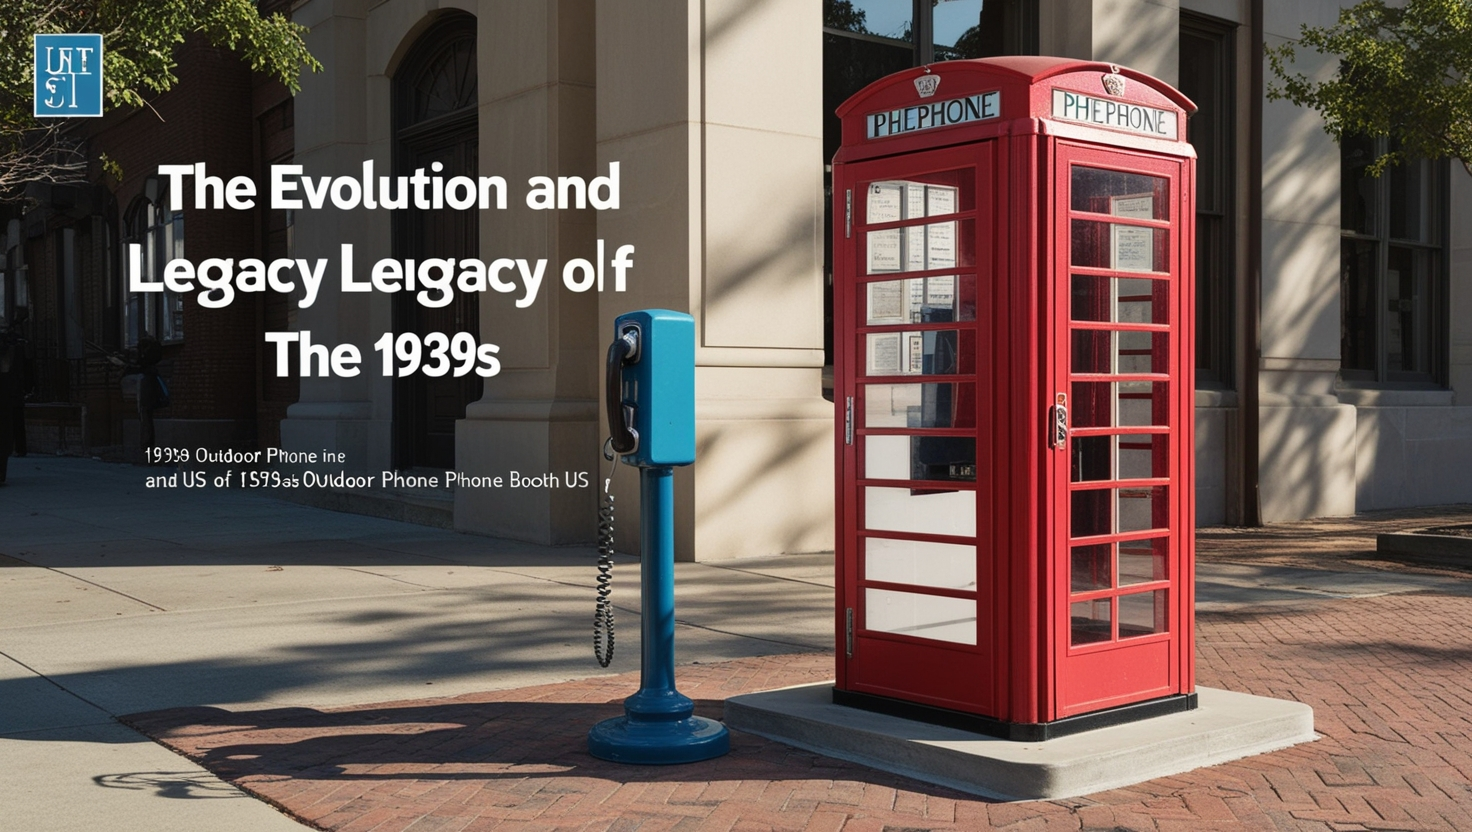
[
  {"x": 623, "y": 437},
  {"x": 649, "y": 394}
]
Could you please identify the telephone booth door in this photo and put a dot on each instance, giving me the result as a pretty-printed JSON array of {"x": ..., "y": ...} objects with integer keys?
[
  {"x": 1119, "y": 493},
  {"x": 920, "y": 625}
]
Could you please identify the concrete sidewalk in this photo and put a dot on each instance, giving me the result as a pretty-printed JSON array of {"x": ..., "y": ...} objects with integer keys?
[{"x": 120, "y": 600}]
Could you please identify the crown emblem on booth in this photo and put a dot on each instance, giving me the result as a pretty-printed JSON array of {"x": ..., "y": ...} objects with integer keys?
[
  {"x": 1113, "y": 81},
  {"x": 927, "y": 84}
]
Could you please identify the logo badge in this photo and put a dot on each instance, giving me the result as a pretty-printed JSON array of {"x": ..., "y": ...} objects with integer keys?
[
  {"x": 68, "y": 76},
  {"x": 1113, "y": 81},
  {"x": 927, "y": 84}
]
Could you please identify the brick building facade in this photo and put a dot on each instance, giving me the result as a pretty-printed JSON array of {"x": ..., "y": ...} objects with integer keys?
[{"x": 66, "y": 250}]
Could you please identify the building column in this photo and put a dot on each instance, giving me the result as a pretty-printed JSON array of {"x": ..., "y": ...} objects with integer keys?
[
  {"x": 539, "y": 416},
  {"x": 1306, "y": 437},
  {"x": 714, "y": 112},
  {"x": 349, "y": 416},
  {"x": 1144, "y": 35}
]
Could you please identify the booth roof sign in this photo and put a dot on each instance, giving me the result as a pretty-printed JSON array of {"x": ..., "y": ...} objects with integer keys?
[
  {"x": 1120, "y": 115},
  {"x": 933, "y": 114}
]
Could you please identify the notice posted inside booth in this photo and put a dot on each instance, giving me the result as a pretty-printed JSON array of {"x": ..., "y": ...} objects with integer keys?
[{"x": 1013, "y": 295}]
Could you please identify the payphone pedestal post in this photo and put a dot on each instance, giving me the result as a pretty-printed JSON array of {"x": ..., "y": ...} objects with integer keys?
[{"x": 658, "y": 725}]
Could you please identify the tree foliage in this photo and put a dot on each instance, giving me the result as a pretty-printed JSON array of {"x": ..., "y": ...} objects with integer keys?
[
  {"x": 139, "y": 38},
  {"x": 1404, "y": 73}
]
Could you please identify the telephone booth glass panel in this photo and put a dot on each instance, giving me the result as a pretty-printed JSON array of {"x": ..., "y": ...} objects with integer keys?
[{"x": 918, "y": 237}]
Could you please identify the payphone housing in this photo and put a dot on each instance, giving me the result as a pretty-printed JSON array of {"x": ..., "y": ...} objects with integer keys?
[{"x": 1013, "y": 282}]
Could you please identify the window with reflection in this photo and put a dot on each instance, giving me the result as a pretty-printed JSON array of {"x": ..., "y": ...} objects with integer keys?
[
  {"x": 1208, "y": 70},
  {"x": 158, "y": 230},
  {"x": 1392, "y": 261},
  {"x": 865, "y": 40}
]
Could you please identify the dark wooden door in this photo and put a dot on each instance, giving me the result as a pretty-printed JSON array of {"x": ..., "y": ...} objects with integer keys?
[{"x": 435, "y": 114}]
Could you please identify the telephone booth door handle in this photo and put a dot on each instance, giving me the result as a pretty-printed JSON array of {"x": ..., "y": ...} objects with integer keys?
[{"x": 1058, "y": 422}]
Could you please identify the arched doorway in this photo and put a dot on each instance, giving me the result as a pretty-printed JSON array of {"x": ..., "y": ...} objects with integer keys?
[{"x": 434, "y": 116}]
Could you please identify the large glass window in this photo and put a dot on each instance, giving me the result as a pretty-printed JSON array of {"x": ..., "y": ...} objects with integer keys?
[
  {"x": 1208, "y": 68},
  {"x": 159, "y": 233},
  {"x": 1392, "y": 280},
  {"x": 865, "y": 40}
]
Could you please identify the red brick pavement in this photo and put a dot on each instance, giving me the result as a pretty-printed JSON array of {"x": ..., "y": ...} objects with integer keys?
[{"x": 1389, "y": 678}]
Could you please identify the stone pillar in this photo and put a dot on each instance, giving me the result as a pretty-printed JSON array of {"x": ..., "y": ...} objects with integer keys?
[
  {"x": 714, "y": 110},
  {"x": 1140, "y": 34},
  {"x": 536, "y": 90},
  {"x": 1306, "y": 437},
  {"x": 351, "y": 416}
]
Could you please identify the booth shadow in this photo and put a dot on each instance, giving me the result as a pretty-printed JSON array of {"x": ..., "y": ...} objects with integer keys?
[{"x": 458, "y": 740}]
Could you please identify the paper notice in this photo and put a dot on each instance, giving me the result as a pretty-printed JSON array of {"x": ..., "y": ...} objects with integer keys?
[
  {"x": 885, "y": 200},
  {"x": 914, "y": 200},
  {"x": 940, "y": 200},
  {"x": 914, "y": 353},
  {"x": 940, "y": 245},
  {"x": 915, "y": 248},
  {"x": 884, "y": 353},
  {"x": 1137, "y": 207},
  {"x": 888, "y": 303},
  {"x": 884, "y": 251},
  {"x": 1132, "y": 248},
  {"x": 940, "y": 292}
]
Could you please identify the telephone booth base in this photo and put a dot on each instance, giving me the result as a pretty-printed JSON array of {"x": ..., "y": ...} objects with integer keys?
[
  {"x": 1017, "y": 731},
  {"x": 1227, "y": 726}
]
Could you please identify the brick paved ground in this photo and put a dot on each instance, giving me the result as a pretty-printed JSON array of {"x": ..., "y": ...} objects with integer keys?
[{"x": 1389, "y": 678}]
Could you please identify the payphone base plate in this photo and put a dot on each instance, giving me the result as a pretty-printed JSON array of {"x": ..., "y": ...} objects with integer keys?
[{"x": 657, "y": 742}]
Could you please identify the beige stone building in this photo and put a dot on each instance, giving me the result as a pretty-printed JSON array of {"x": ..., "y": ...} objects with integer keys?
[{"x": 1335, "y": 332}]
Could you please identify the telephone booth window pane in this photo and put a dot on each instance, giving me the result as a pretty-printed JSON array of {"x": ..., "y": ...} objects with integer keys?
[
  {"x": 1120, "y": 194},
  {"x": 921, "y": 300},
  {"x": 1120, "y": 247},
  {"x": 928, "y": 195},
  {"x": 946, "y": 458},
  {"x": 924, "y": 512},
  {"x": 1133, "y": 300},
  {"x": 1140, "y": 509},
  {"x": 924, "y": 616},
  {"x": 1091, "y": 622},
  {"x": 1093, "y": 567},
  {"x": 1123, "y": 457},
  {"x": 1143, "y": 561},
  {"x": 1142, "y": 614},
  {"x": 1123, "y": 352},
  {"x": 1137, "y": 457},
  {"x": 920, "y": 563},
  {"x": 936, "y": 352},
  {"x": 1092, "y": 513},
  {"x": 917, "y": 248},
  {"x": 1117, "y": 511},
  {"x": 1092, "y": 459},
  {"x": 938, "y": 405},
  {"x": 1103, "y": 404}
]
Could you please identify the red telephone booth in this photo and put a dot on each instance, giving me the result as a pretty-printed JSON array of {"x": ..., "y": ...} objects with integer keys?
[{"x": 1013, "y": 294}]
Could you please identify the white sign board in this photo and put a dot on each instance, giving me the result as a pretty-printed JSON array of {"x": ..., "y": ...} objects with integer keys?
[{"x": 1119, "y": 115}]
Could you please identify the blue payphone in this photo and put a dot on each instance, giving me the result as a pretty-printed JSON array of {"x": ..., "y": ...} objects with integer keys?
[{"x": 651, "y": 424}]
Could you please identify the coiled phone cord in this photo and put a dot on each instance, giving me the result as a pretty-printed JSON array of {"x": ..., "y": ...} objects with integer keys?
[{"x": 603, "y": 610}]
